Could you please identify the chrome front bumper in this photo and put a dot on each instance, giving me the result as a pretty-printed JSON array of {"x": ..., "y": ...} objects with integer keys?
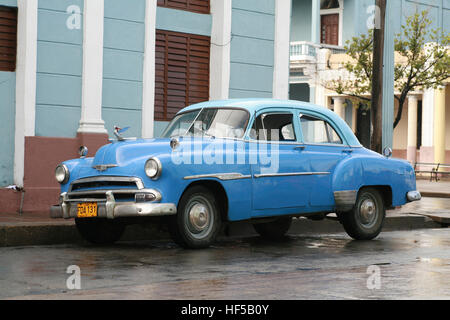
[
  {"x": 111, "y": 209},
  {"x": 413, "y": 196}
]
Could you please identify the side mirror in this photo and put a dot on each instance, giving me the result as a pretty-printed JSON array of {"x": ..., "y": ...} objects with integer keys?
[
  {"x": 83, "y": 151},
  {"x": 387, "y": 152}
]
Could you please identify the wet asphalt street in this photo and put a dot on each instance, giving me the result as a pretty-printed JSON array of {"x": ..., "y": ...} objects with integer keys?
[{"x": 410, "y": 265}]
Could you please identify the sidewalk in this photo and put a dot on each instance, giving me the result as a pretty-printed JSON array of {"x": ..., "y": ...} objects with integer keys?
[
  {"x": 433, "y": 211},
  {"x": 434, "y": 189}
]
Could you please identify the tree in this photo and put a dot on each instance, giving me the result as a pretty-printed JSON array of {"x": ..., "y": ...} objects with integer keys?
[
  {"x": 377, "y": 79},
  {"x": 422, "y": 62}
]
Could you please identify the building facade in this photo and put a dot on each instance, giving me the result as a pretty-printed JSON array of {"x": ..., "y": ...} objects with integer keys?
[
  {"x": 71, "y": 70},
  {"x": 320, "y": 28}
]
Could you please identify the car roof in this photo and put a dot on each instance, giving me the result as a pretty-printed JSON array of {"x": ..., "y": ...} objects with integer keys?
[{"x": 254, "y": 105}]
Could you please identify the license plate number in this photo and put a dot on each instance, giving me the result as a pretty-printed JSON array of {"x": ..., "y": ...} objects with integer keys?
[{"x": 87, "y": 210}]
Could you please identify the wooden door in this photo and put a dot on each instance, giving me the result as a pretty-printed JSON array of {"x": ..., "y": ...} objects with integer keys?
[
  {"x": 182, "y": 72},
  {"x": 330, "y": 29}
]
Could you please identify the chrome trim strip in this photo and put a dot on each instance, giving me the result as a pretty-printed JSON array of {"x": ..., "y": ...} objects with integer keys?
[
  {"x": 345, "y": 200},
  {"x": 290, "y": 174},
  {"x": 86, "y": 193},
  {"x": 220, "y": 176},
  {"x": 137, "y": 181}
]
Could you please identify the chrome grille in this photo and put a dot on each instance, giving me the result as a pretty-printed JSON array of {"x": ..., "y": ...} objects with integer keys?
[
  {"x": 95, "y": 188},
  {"x": 106, "y": 183}
]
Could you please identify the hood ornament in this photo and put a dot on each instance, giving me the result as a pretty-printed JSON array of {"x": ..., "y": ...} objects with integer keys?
[
  {"x": 118, "y": 132},
  {"x": 104, "y": 167}
]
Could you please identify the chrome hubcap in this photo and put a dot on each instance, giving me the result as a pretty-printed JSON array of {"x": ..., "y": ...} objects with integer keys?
[
  {"x": 368, "y": 212},
  {"x": 199, "y": 217}
]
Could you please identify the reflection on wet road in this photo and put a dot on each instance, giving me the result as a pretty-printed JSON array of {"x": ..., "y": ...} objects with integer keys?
[{"x": 412, "y": 264}]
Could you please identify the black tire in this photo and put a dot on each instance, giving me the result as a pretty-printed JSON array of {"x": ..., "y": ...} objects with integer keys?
[
  {"x": 366, "y": 220},
  {"x": 275, "y": 230},
  {"x": 100, "y": 231},
  {"x": 198, "y": 221}
]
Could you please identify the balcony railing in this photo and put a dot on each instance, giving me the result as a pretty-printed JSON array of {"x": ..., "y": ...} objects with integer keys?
[{"x": 307, "y": 51}]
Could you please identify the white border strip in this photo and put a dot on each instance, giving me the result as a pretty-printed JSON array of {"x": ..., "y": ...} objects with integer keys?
[
  {"x": 92, "y": 83},
  {"x": 219, "y": 76},
  {"x": 282, "y": 47},
  {"x": 25, "y": 82},
  {"x": 148, "y": 94}
]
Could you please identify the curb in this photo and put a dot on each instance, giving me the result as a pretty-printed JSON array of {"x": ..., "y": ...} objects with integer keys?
[
  {"x": 427, "y": 194},
  {"x": 65, "y": 233}
]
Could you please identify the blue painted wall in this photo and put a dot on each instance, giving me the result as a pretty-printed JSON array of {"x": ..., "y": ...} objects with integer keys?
[
  {"x": 7, "y": 119},
  {"x": 123, "y": 61},
  {"x": 59, "y": 70},
  {"x": 183, "y": 21},
  {"x": 252, "y": 48},
  {"x": 7, "y": 126}
]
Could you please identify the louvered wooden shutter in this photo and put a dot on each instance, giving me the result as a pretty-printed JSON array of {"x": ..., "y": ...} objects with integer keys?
[
  {"x": 8, "y": 38},
  {"x": 182, "y": 72},
  {"x": 199, "y": 6}
]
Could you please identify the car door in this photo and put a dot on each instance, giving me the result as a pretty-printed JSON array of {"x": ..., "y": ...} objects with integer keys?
[
  {"x": 324, "y": 149},
  {"x": 279, "y": 172}
]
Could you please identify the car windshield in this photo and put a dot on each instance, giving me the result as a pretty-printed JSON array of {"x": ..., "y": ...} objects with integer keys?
[{"x": 209, "y": 122}]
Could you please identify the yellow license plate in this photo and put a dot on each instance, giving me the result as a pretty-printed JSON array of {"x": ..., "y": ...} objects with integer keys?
[{"x": 87, "y": 210}]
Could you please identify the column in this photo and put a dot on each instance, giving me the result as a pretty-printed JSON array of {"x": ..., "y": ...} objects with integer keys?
[
  {"x": 439, "y": 125},
  {"x": 25, "y": 82},
  {"x": 282, "y": 46},
  {"x": 427, "y": 148},
  {"x": 412, "y": 129},
  {"x": 92, "y": 83},
  {"x": 339, "y": 107},
  {"x": 315, "y": 23},
  {"x": 148, "y": 93},
  {"x": 220, "y": 49},
  {"x": 355, "y": 118},
  {"x": 312, "y": 93}
]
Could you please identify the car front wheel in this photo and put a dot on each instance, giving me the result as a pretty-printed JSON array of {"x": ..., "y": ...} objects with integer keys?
[
  {"x": 100, "y": 231},
  {"x": 366, "y": 220},
  {"x": 198, "y": 221}
]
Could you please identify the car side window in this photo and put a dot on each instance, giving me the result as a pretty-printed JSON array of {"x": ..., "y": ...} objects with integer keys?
[
  {"x": 318, "y": 131},
  {"x": 274, "y": 127}
]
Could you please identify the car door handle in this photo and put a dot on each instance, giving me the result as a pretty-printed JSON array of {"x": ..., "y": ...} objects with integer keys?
[
  {"x": 347, "y": 151},
  {"x": 300, "y": 148}
]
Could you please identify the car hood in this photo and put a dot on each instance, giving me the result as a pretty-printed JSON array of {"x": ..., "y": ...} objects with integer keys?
[{"x": 123, "y": 152}]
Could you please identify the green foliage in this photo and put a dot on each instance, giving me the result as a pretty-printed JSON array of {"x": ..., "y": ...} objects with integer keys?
[{"x": 425, "y": 61}]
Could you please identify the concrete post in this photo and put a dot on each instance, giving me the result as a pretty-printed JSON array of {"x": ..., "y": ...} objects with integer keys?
[
  {"x": 355, "y": 118},
  {"x": 92, "y": 83},
  {"x": 412, "y": 129},
  {"x": 439, "y": 125},
  {"x": 339, "y": 107}
]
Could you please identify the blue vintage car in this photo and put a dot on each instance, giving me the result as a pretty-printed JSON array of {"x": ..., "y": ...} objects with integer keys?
[{"x": 264, "y": 161}]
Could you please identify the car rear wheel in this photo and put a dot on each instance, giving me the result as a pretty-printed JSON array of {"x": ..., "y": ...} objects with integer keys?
[
  {"x": 198, "y": 221},
  {"x": 366, "y": 220},
  {"x": 100, "y": 231},
  {"x": 275, "y": 230}
]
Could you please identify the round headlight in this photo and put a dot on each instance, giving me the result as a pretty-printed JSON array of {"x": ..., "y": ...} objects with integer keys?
[
  {"x": 153, "y": 168},
  {"x": 62, "y": 174}
]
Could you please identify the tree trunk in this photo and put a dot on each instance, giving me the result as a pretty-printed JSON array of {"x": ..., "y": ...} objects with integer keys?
[{"x": 377, "y": 79}]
